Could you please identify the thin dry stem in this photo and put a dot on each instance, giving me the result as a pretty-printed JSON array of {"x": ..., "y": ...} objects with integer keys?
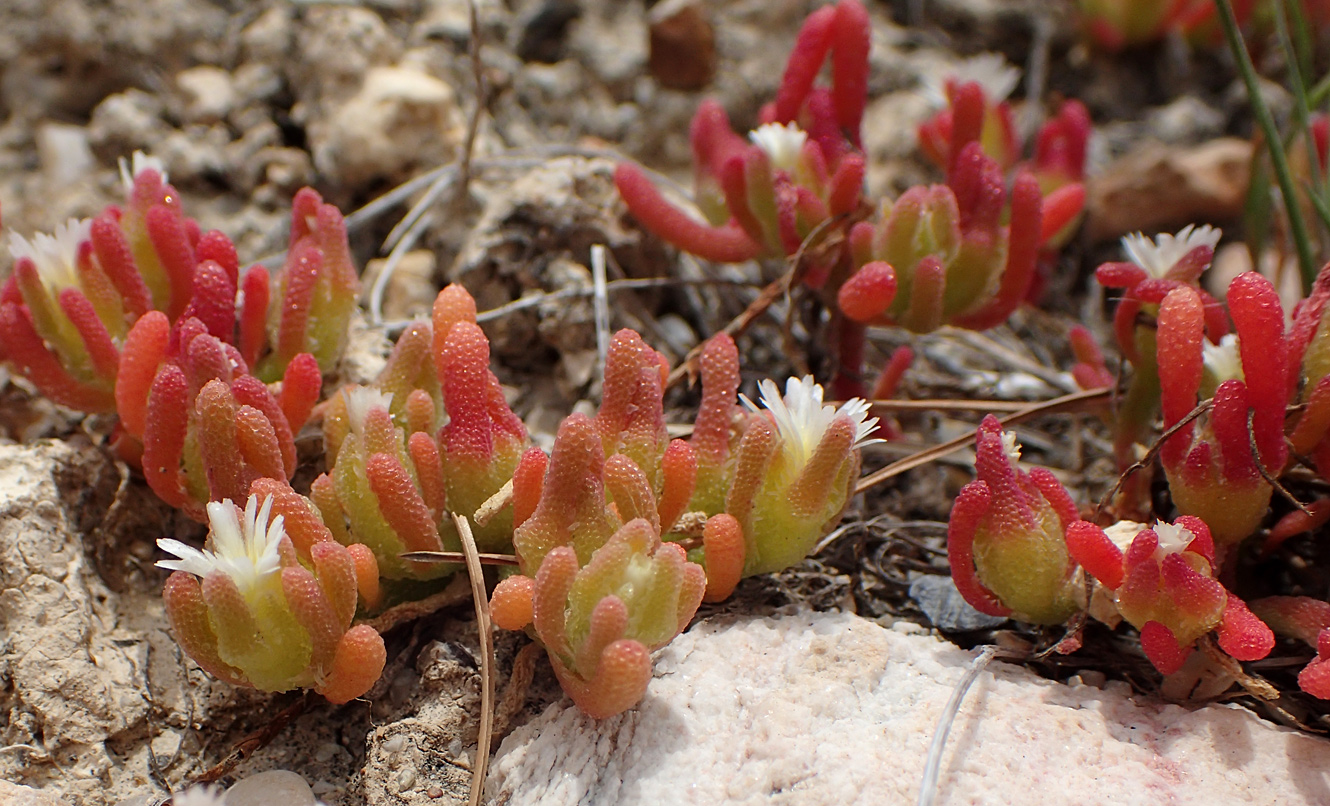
[
  {"x": 1067, "y": 403},
  {"x": 482, "y": 604}
]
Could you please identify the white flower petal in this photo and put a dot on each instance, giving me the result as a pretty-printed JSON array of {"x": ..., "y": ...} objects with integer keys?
[
  {"x": 140, "y": 162},
  {"x": 1161, "y": 253},
  {"x": 990, "y": 70},
  {"x": 246, "y": 550},
  {"x": 1172, "y": 539},
  {"x": 1011, "y": 446},
  {"x": 781, "y": 142},
  {"x": 360, "y": 400},
  {"x": 802, "y": 419},
  {"x": 1223, "y": 360},
  {"x": 55, "y": 255}
]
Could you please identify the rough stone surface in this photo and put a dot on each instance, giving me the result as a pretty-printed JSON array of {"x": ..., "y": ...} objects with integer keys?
[{"x": 828, "y": 708}]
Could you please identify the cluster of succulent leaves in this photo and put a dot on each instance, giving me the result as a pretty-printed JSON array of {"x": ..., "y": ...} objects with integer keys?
[
  {"x": 965, "y": 252},
  {"x": 620, "y": 532},
  {"x": 212, "y": 373}
]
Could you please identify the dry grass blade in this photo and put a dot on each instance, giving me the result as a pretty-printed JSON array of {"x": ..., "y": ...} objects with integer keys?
[
  {"x": 933, "y": 764},
  {"x": 1077, "y": 401},
  {"x": 486, "y": 733},
  {"x": 494, "y": 504},
  {"x": 457, "y": 557},
  {"x": 1150, "y": 455}
]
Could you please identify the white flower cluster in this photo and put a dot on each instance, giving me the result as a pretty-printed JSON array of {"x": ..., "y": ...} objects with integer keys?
[
  {"x": 1161, "y": 253},
  {"x": 802, "y": 419}
]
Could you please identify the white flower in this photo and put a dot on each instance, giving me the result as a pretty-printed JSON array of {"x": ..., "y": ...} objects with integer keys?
[
  {"x": 199, "y": 796},
  {"x": 802, "y": 420},
  {"x": 781, "y": 142},
  {"x": 360, "y": 400},
  {"x": 246, "y": 552},
  {"x": 1160, "y": 254},
  {"x": 140, "y": 163},
  {"x": 990, "y": 70},
  {"x": 1222, "y": 360},
  {"x": 55, "y": 256},
  {"x": 1011, "y": 447},
  {"x": 1172, "y": 539}
]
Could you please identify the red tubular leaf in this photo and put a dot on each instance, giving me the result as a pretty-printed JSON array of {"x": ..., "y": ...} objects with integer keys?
[
  {"x": 254, "y": 314},
  {"x": 102, "y": 353},
  {"x": 336, "y": 571},
  {"x": 367, "y": 574},
  {"x": 117, "y": 260},
  {"x": 1023, "y": 241},
  {"x": 512, "y": 603},
  {"x": 528, "y": 482},
  {"x": 713, "y": 140},
  {"x": 868, "y": 292},
  {"x": 1055, "y": 494},
  {"x": 356, "y": 665},
  {"x": 1232, "y": 432},
  {"x": 969, "y": 509},
  {"x": 1258, "y": 319},
  {"x": 144, "y": 350},
  {"x": 725, "y": 244},
  {"x": 302, "y": 383},
  {"x": 313, "y": 611},
  {"x": 849, "y": 66},
  {"x": 1190, "y": 266},
  {"x": 215, "y": 246},
  {"x": 214, "y": 300},
  {"x": 1242, "y": 634},
  {"x": 1315, "y": 677},
  {"x": 1203, "y": 543},
  {"x": 401, "y": 503},
  {"x": 250, "y": 391},
  {"x": 1180, "y": 331},
  {"x": 258, "y": 445},
  {"x": 1089, "y": 546},
  {"x": 170, "y": 240},
  {"x": 1060, "y": 208},
  {"x": 465, "y": 378},
  {"x": 1120, "y": 275},
  {"x": 678, "y": 481},
  {"x": 188, "y": 614},
  {"x": 429, "y": 471},
  {"x": 968, "y": 107},
  {"x": 924, "y": 314},
  {"x": 300, "y": 518},
  {"x": 885, "y": 388},
  {"x": 719, "y": 370},
  {"x": 1298, "y": 617},
  {"x": 302, "y": 274},
  {"x": 164, "y": 437},
  {"x": 216, "y": 422},
  {"x": 805, "y": 62},
  {"x": 847, "y": 185},
  {"x": 25, "y": 348},
  {"x": 733, "y": 176},
  {"x": 724, "y": 549},
  {"x": 1162, "y": 648}
]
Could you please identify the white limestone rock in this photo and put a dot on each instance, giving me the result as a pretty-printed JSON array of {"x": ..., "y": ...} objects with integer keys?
[{"x": 828, "y": 708}]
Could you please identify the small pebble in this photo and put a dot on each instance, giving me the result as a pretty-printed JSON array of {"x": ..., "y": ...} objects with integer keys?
[{"x": 271, "y": 788}]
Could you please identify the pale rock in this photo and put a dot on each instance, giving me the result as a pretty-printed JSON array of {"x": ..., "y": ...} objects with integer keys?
[
  {"x": 64, "y": 152},
  {"x": 126, "y": 122},
  {"x": 399, "y": 118},
  {"x": 209, "y": 93},
  {"x": 271, "y": 788},
  {"x": 830, "y": 708},
  {"x": 62, "y": 661},
  {"x": 16, "y": 795}
]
